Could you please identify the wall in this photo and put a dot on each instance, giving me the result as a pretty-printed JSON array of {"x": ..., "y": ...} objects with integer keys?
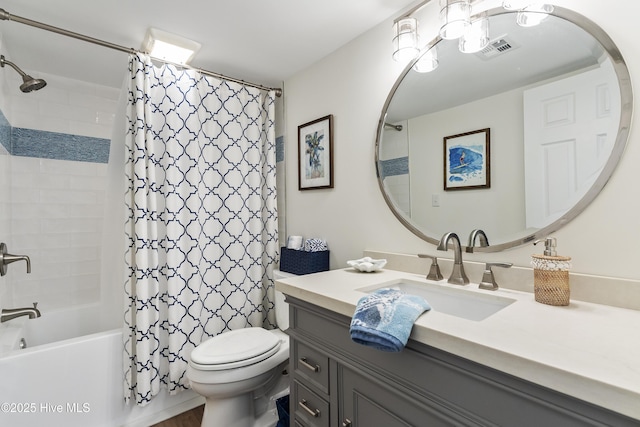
[
  {"x": 502, "y": 114},
  {"x": 57, "y": 167},
  {"x": 5, "y": 177},
  {"x": 352, "y": 84}
]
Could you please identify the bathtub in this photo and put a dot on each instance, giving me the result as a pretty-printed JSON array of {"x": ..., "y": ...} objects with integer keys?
[{"x": 70, "y": 374}]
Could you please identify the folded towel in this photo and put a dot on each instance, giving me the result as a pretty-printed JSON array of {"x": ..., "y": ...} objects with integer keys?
[
  {"x": 315, "y": 245},
  {"x": 383, "y": 319},
  {"x": 295, "y": 242}
]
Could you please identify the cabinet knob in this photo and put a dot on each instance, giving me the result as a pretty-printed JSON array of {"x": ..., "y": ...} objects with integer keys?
[
  {"x": 346, "y": 422},
  {"x": 315, "y": 413},
  {"x": 303, "y": 362}
]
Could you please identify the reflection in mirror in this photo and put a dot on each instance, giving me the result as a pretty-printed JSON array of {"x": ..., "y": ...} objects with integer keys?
[{"x": 557, "y": 101}]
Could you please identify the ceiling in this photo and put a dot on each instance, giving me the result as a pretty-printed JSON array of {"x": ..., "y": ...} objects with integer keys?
[{"x": 261, "y": 41}]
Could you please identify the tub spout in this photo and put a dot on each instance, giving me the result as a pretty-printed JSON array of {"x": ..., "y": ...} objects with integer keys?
[{"x": 12, "y": 313}]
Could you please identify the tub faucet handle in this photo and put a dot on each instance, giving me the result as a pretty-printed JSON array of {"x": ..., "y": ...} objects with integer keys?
[
  {"x": 7, "y": 258},
  {"x": 488, "y": 280},
  {"x": 434, "y": 270}
]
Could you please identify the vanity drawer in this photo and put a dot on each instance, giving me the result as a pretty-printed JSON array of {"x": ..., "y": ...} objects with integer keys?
[
  {"x": 309, "y": 408},
  {"x": 311, "y": 365}
]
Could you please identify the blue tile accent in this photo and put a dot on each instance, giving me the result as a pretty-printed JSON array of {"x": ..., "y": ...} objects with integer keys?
[
  {"x": 5, "y": 132},
  {"x": 392, "y": 167},
  {"x": 52, "y": 145},
  {"x": 279, "y": 149},
  {"x": 59, "y": 146}
]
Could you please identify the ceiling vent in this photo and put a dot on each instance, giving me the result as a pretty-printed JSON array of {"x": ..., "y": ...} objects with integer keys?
[{"x": 496, "y": 47}]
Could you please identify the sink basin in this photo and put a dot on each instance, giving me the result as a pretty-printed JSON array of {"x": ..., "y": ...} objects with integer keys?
[{"x": 448, "y": 299}]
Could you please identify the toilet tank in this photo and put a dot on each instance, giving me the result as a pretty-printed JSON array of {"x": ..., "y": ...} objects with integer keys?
[{"x": 282, "y": 308}]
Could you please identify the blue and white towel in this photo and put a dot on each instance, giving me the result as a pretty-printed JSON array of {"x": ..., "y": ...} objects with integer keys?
[
  {"x": 383, "y": 319},
  {"x": 315, "y": 245}
]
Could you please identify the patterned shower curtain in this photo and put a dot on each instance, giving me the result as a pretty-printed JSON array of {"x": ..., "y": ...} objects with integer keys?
[{"x": 202, "y": 219}]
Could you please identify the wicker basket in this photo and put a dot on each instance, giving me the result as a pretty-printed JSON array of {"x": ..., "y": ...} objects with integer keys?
[
  {"x": 302, "y": 262},
  {"x": 551, "y": 279}
]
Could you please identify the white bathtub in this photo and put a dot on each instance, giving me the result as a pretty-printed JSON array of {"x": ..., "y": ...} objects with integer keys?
[{"x": 59, "y": 380}]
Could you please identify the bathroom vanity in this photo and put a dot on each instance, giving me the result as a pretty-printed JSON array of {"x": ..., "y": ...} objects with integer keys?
[{"x": 524, "y": 364}]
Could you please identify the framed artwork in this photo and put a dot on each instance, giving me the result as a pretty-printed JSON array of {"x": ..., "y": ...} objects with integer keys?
[
  {"x": 315, "y": 154},
  {"x": 466, "y": 160}
]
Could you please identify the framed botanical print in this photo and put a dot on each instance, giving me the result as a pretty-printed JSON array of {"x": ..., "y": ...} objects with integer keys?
[{"x": 315, "y": 154}]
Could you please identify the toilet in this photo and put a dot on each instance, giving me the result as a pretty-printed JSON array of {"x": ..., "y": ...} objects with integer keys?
[{"x": 241, "y": 372}]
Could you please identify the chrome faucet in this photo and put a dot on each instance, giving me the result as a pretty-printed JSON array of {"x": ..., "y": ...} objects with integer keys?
[
  {"x": 12, "y": 313},
  {"x": 458, "y": 276},
  {"x": 483, "y": 240}
]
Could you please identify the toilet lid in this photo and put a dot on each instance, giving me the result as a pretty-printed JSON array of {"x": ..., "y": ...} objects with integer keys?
[{"x": 235, "y": 349}]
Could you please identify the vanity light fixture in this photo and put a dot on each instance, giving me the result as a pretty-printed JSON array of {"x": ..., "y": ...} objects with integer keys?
[
  {"x": 405, "y": 39},
  {"x": 457, "y": 22},
  {"x": 169, "y": 47},
  {"x": 533, "y": 14},
  {"x": 476, "y": 37},
  {"x": 454, "y": 18},
  {"x": 428, "y": 61}
]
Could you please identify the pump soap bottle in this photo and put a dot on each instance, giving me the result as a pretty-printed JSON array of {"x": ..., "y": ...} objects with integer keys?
[{"x": 551, "y": 275}]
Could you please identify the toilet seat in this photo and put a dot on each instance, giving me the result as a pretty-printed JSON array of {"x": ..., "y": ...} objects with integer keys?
[{"x": 235, "y": 349}]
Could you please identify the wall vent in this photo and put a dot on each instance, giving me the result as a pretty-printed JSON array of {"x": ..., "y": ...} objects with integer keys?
[{"x": 496, "y": 47}]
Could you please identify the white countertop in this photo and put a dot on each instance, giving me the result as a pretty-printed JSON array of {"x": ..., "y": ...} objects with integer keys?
[{"x": 589, "y": 351}]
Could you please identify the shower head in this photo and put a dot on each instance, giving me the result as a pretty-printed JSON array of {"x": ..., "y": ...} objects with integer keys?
[{"x": 29, "y": 83}]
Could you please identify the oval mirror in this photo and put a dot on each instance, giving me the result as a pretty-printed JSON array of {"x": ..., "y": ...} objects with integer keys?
[{"x": 516, "y": 139}]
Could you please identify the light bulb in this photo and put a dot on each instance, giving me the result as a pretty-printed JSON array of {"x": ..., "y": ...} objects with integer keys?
[
  {"x": 533, "y": 14},
  {"x": 515, "y": 4},
  {"x": 454, "y": 18},
  {"x": 405, "y": 40},
  {"x": 476, "y": 37},
  {"x": 427, "y": 62}
]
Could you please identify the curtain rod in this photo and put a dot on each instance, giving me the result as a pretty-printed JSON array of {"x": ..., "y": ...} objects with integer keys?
[{"x": 6, "y": 16}]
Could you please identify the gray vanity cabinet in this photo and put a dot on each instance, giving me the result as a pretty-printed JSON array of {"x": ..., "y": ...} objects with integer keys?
[
  {"x": 337, "y": 383},
  {"x": 365, "y": 402}
]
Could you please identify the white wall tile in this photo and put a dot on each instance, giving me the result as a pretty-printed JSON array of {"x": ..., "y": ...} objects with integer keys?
[
  {"x": 36, "y": 181},
  {"x": 71, "y": 168},
  {"x": 67, "y": 196},
  {"x": 20, "y": 227},
  {"x": 97, "y": 130},
  {"x": 24, "y": 164},
  {"x": 56, "y": 207}
]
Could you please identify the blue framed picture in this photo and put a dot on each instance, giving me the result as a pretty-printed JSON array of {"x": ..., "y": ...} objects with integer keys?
[
  {"x": 466, "y": 160},
  {"x": 315, "y": 154}
]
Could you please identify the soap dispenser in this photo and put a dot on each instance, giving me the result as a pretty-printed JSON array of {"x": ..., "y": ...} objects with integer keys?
[{"x": 551, "y": 275}]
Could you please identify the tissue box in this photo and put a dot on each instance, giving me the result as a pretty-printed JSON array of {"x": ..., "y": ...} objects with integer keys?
[{"x": 302, "y": 262}]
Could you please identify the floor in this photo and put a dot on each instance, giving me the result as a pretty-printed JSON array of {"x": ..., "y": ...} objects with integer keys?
[{"x": 191, "y": 418}]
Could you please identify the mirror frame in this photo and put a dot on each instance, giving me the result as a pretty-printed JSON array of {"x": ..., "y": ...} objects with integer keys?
[{"x": 626, "y": 110}]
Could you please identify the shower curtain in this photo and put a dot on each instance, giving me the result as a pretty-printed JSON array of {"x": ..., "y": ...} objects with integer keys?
[{"x": 201, "y": 231}]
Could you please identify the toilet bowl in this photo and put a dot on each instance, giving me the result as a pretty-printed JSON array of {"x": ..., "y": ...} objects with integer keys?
[{"x": 240, "y": 372}]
